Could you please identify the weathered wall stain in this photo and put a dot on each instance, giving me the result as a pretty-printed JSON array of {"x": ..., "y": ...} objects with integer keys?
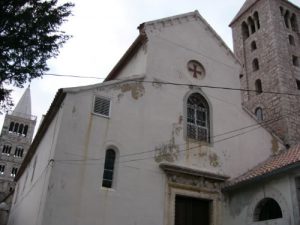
[
  {"x": 213, "y": 159},
  {"x": 168, "y": 152},
  {"x": 156, "y": 83},
  {"x": 238, "y": 203},
  {"x": 275, "y": 146},
  {"x": 137, "y": 89}
]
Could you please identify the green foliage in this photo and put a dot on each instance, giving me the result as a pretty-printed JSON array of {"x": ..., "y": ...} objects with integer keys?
[{"x": 29, "y": 36}]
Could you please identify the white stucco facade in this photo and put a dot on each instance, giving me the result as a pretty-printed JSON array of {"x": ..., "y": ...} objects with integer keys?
[{"x": 146, "y": 127}]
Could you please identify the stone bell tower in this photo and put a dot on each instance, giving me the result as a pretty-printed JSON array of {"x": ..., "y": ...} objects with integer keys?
[
  {"x": 267, "y": 42},
  {"x": 15, "y": 139}
]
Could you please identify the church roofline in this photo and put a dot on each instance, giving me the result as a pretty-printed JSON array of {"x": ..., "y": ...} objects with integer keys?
[
  {"x": 139, "y": 41},
  {"x": 142, "y": 38}
]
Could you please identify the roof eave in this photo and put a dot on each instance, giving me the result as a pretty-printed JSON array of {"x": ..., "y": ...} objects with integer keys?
[{"x": 261, "y": 177}]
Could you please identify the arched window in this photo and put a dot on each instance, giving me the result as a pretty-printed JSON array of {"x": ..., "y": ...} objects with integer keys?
[
  {"x": 253, "y": 46},
  {"x": 245, "y": 31},
  {"x": 16, "y": 127},
  {"x": 21, "y": 129},
  {"x": 109, "y": 165},
  {"x": 294, "y": 24},
  {"x": 255, "y": 64},
  {"x": 259, "y": 114},
  {"x": 258, "y": 86},
  {"x": 251, "y": 24},
  {"x": 281, "y": 10},
  {"x": 11, "y": 126},
  {"x": 291, "y": 40},
  {"x": 6, "y": 149},
  {"x": 25, "y": 130},
  {"x": 256, "y": 19},
  {"x": 198, "y": 118},
  {"x": 286, "y": 19},
  {"x": 267, "y": 209}
]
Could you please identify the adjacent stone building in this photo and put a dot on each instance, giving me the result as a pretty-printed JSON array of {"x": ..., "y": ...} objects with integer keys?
[
  {"x": 267, "y": 42},
  {"x": 15, "y": 139}
]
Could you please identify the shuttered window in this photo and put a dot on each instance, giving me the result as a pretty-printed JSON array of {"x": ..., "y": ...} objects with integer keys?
[{"x": 102, "y": 106}]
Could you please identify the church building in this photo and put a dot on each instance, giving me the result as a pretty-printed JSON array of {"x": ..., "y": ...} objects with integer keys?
[{"x": 181, "y": 132}]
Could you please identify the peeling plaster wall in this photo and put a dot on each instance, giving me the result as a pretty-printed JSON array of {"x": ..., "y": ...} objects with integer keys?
[
  {"x": 170, "y": 48},
  {"x": 239, "y": 207}
]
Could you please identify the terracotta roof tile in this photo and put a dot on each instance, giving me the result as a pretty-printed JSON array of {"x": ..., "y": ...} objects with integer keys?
[{"x": 272, "y": 164}]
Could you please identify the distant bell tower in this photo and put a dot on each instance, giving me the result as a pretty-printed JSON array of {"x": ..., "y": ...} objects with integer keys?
[
  {"x": 15, "y": 139},
  {"x": 266, "y": 40}
]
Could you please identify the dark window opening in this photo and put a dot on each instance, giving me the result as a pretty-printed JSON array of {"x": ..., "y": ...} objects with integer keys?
[
  {"x": 11, "y": 126},
  {"x": 245, "y": 31},
  {"x": 291, "y": 40},
  {"x": 6, "y": 149},
  {"x": 109, "y": 165},
  {"x": 253, "y": 46},
  {"x": 296, "y": 61},
  {"x": 267, "y": 209},
  {"x": 191, "y": 211},
  {"x": 258, "y": 87},
  {"x": 198, "y": 118},
  {"x": 287, "y": 19},
  {"x": 294, "y": 24},
  {"x": 2, "y": 169},
  {"x": 259, "y": 114},
  {"x": 19, "y": 152},
  {"x": 25, "y": 130},
  {"x": 16, "y": 128},
  {"x": 14, "y": 172},
  {"x": 255, "y": 64},
  {"x": 256, "y": 19},
  {"x": 251, "y": 24},
  {"x": 298, "y": 84},
  {"x": 281, "y": 10}
]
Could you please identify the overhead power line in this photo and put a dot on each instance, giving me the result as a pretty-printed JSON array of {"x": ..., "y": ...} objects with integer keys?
[
  {"x": 178, "y": 84},
  {"x": 254, "y": 127}
]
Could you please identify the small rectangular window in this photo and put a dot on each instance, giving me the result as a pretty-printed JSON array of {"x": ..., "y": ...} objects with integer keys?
[
  {"x": 296, "y": 61},
  {"x": 102, "y": 106}
]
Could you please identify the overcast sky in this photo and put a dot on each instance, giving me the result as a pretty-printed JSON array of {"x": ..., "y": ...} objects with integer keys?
[{"x": 103, "y": 30}]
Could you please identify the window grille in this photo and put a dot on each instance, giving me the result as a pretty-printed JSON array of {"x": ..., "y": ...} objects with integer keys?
[
  {"x": 102, "y": 106},
  {"x": 197, "y": 118},
  {"x": 109, "y": 165}
]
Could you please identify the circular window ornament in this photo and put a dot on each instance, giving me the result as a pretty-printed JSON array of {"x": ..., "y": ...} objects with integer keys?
[{"x": 196, "y": 70}]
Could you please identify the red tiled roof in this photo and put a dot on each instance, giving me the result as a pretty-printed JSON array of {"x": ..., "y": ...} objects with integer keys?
[{"x": 274, "y": 164}]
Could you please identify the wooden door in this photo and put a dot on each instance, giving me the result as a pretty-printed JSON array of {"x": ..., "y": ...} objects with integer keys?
[{"x": 191, "y": 211}]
